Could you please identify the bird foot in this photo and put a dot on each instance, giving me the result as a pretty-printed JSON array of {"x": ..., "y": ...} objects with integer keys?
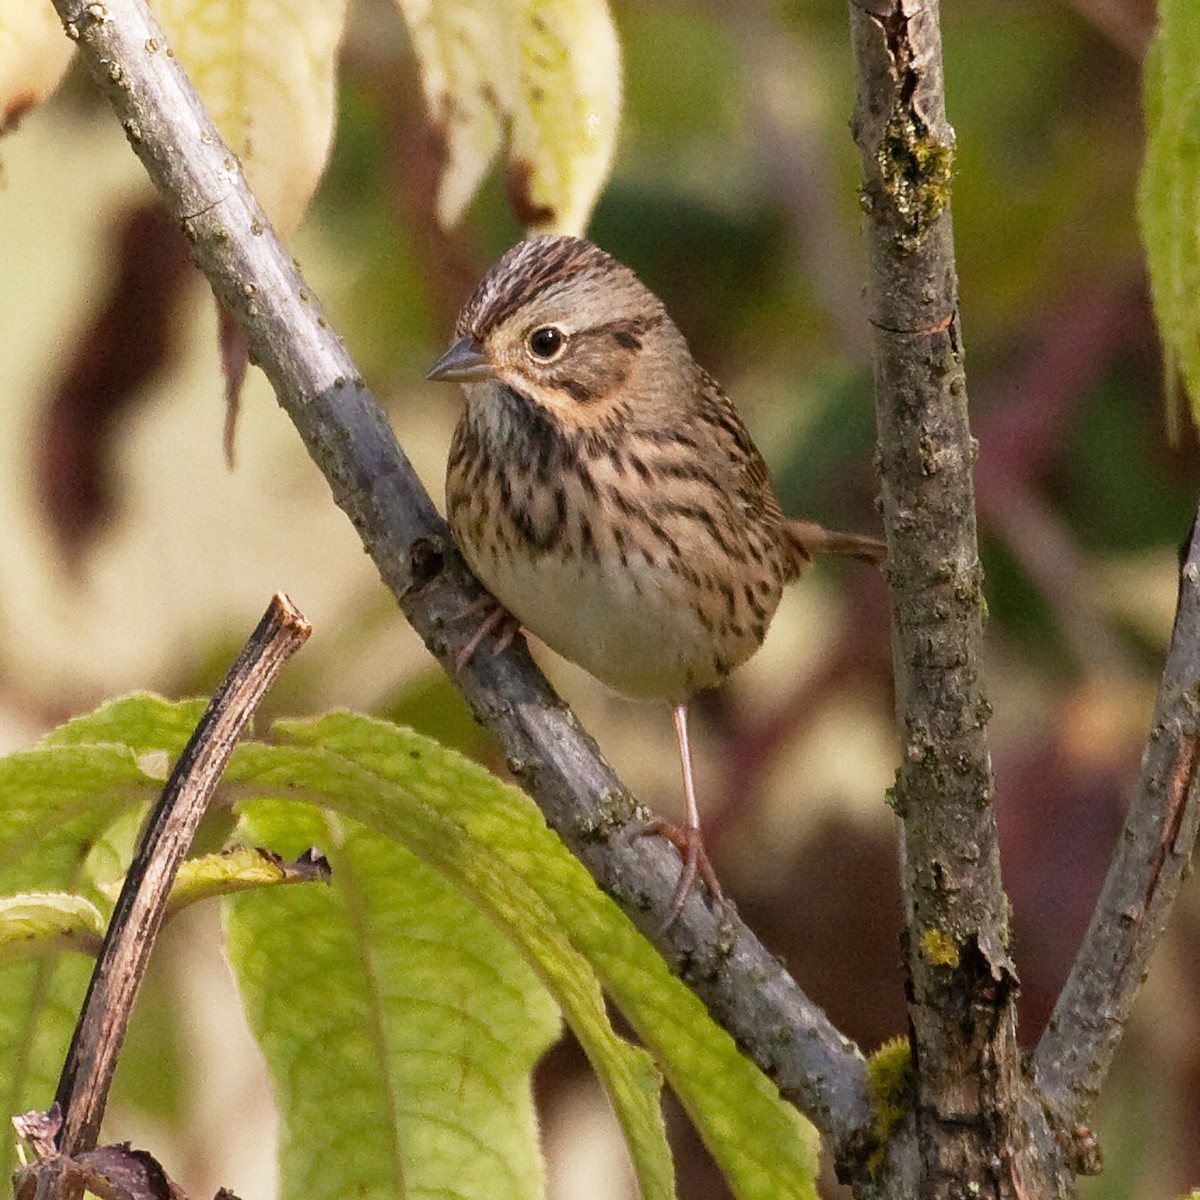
[
  {"x": 496, "y": 619},
  {"x": 687, "y": 840}
]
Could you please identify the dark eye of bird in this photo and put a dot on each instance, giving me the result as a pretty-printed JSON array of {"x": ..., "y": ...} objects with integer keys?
[{"x": 546, "y": 342}]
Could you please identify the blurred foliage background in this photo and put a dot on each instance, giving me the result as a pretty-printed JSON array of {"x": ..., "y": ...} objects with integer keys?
[{"x": 131, "y": 557}]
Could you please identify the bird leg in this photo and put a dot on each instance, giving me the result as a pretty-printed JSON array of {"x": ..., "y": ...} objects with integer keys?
[
  {"x": 686, "y": 838},
  {"x": 496, "y": 619}
]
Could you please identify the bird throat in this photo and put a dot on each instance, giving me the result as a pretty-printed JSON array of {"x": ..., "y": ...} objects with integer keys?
[{"x": 514, "y": 436}]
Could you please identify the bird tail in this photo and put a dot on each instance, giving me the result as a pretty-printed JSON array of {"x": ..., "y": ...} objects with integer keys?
[{"x": 806, "y": 540}]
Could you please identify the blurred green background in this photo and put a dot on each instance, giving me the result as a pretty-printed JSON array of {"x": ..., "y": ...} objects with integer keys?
[{"x": 131, "y": 557}]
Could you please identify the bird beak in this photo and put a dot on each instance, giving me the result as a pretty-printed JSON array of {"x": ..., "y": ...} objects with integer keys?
[{"x": 464, "y": 362}]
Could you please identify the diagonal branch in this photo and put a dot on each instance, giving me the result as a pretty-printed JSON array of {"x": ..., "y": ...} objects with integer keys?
[
  {"x": 1152, "y": 858},
  {"x": 346, "y": 433},
  {"x": 141, "y": 907}
]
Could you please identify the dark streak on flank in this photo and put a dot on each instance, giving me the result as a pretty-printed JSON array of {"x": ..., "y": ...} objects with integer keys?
[
  {"x": 586, "y": 482},
  {"x": 637, "y": 513},
  {"x": 619, "y": 542},
  {"x": 730, "y": 599},
  {"x": 587, "y": 540}
]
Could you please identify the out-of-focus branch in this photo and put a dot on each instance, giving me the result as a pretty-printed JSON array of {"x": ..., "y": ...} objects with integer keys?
[
  {"x": 1151, "y": 860},
  {"x": 348, "y": 436},
  {"x": 1127, "y": 24},
  {"x": 784, "y": 114}
]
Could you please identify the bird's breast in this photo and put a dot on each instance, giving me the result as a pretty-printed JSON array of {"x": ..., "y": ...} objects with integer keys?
[{"x": 642, "y": 586}]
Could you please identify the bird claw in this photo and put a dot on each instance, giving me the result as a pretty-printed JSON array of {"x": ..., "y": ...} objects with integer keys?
[
  {"x": 690, "y": 844},
  {"x": 497, "y": 620}
]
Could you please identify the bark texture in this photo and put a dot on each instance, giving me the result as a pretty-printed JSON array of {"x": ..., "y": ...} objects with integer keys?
[{"x": 968, "y": 1121}]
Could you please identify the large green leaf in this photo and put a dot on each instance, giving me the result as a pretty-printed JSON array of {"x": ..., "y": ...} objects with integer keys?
[
  {"x": 395, "y": 1020},
  {"x": 402, "y": 1007},
  {"x": 496, "y": 844},
  {"x": 57, "y": 803},
  {"x": 398, "y": 783}
]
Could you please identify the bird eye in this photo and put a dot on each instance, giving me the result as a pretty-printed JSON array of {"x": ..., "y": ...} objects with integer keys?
[{"x": 546, "y": 342}]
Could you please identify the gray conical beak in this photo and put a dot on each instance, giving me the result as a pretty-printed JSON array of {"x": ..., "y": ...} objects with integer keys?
[{"x": 464, "y": 362}]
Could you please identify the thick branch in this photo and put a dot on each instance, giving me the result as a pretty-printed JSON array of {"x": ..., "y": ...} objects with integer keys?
[
  {"x": 347, "y": 435},
  {"x": 1151, "y": 860},
  {"x": 961, "y": 981}
]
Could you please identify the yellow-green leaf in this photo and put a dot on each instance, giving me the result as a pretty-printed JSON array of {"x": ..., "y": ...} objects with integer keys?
[
  {"x": 466, "y": 50},
  {"x": 266, "y": 72},
  {"x": 44, "y": 922},
  {"x": 1169, "y": 195},
  {"x": 451, "y": 814},
  {"x": 550, "y": 71},
  {"x": 394, "y": 1019},
  {"x": 384, "y": 776},
  {"x": 443, "y": 875},
  {"x": 565, "y": 122}
]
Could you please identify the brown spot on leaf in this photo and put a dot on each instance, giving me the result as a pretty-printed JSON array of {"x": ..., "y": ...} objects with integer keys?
[
  {"x": 517, "y": 181},
  {"x": 15, "y": 109},
  {"x": 124, "y": 346}
]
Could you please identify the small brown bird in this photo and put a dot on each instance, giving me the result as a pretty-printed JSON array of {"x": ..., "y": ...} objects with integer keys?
[{"x": 604, "y": 490}]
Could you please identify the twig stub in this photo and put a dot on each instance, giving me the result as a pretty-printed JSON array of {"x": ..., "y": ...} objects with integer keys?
[{"x": 138, "y": 915}]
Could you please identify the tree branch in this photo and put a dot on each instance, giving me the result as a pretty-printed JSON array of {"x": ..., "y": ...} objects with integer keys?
[
  {"x": 1151, "y": 860},
  {"x": 962, "y": 984},
  {"x": 744, "y": 987},
  {"x": 138, "y": 914},
  {"x": 981, "y": 1126}
]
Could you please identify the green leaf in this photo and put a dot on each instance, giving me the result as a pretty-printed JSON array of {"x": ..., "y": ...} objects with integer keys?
[
  {"x": 404, "y": 1006},
  {"x": 449, "y": 813},
  {"x": 59, "y": 804},
  {"x": 43, "y": 922},
  {"x": 1169, "y": 195},
  {"x": 394, "y": 781},
  {"x": 142, "y": 723},
  {"x": 394, "y": 1019},
  {"x": 39, "y": 1002}
]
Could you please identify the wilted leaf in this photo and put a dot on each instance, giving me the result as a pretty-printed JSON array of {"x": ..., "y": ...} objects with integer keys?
[
  {"x": 107, "y": 367},
  {"x": 228, "y": 872},
  {"x": 551, "y": 71},
  {"x": 121, "y": 1173},
  {"x": 265, "y": 71},
  {"x": 34, "y": 53},
  {"x": 114, "y": 1172}
]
